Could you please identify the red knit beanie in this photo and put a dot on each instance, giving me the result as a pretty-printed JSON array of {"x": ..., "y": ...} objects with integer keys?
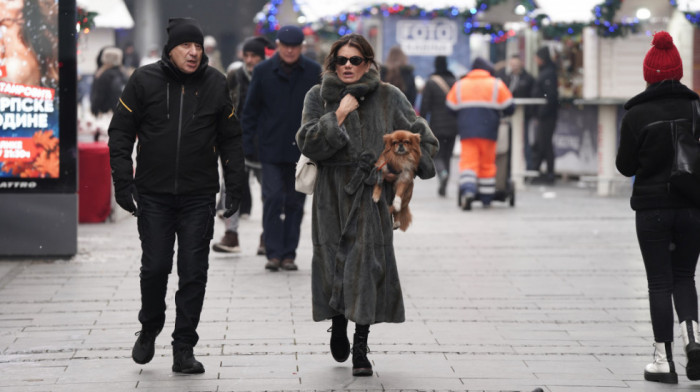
[{"x": 662, "y": 61}]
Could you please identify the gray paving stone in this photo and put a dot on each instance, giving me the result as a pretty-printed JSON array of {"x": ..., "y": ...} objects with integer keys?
[{"x": 548, "y": 294}]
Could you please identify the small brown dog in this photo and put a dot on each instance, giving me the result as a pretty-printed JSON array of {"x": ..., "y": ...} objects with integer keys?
[{"x": 398, "y": 164}]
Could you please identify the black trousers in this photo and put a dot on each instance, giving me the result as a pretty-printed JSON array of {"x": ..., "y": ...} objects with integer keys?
[
  {"x": 444, "y": 155},
  {"x": 670, "y": 243},
  {"x": 247, "y": 199},
  {"x": 164, "y": 218},
  {"x": 543, "y": 149}
]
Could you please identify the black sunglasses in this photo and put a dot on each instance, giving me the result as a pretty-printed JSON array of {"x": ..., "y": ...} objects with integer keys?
[{"x": 354, "y": 60}]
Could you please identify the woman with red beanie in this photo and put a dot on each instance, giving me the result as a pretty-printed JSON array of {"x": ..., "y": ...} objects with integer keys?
[{"x": 668, "y": 224}]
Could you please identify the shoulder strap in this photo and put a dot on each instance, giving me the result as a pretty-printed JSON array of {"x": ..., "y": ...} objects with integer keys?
[
  {"x": 696, "y": 110},
  {"x": 441, "y": 83}
]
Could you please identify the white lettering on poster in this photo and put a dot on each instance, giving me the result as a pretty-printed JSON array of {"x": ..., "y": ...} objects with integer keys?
[
  {"x": 435, "y": 37},
  {"x": 17, "y": 184},
  {"x": 24, "y": 113}
]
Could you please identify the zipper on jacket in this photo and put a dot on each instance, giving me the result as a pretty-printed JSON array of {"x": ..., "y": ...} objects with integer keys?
[
  {"x": 179, "y": 136},
  {"x": 167, "y": 101}
]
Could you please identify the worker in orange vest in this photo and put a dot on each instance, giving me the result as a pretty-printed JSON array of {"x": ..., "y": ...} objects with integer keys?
[{"x": 479, "y": 100}]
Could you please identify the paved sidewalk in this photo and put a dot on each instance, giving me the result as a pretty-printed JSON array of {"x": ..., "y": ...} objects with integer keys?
[{"x": 548, "y": 294}]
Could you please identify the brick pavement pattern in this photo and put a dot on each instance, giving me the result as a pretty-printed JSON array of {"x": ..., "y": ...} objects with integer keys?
[{"x": 549, "y": 294}]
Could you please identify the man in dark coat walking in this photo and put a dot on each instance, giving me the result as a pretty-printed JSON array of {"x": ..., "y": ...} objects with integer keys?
[
  {"x": 520, "y": 84},
  {"x": 272, "y": 113},
  {"x": 547, "y": 87},
  {"x": 180, "y": 111}
]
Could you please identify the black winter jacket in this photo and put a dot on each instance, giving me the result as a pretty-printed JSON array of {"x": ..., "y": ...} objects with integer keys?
[
  {"x": 184, "y": 123},
  {"x": 547, "y": 87},
  {"x": 106, "y": 90},
  {"x": 442, "y": 120},
  {"x": 409, "y": 83},
  {"x": 646, "y": 150}
]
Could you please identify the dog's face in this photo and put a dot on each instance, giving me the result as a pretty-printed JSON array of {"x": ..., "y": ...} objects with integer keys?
[{"x": 402, "y": 143}]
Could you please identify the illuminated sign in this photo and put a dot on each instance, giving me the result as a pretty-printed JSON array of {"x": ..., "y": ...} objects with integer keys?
[{"x": 29, "y": 117}]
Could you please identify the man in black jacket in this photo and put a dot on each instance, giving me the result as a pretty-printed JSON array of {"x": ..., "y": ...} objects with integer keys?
[
  {"x": 180, "y": 111},
  {"x": 547, "y": 87},
  {"x": 272, "y": 113}
]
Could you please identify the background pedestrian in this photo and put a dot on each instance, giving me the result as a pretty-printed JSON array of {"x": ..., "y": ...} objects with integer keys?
[{"x": 668, "y": 224}]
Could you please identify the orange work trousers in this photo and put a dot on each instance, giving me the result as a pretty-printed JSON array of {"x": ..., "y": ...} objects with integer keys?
[{"x": 479, "y": 157}]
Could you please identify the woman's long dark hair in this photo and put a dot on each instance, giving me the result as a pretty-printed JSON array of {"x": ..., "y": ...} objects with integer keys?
[
  {"x": 394, "y": 61},
  {"x": 355, "y": 40},
  {"x": 40, "y": 34}
]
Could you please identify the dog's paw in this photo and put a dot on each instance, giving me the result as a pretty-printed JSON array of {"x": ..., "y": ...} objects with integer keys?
[
  {"x": 397, "y": 224},
  {"x": 397, "y": 204},
  {"x": 375, "y": 198}
]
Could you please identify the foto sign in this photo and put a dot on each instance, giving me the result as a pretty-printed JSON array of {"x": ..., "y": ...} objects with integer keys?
[{"x": 435, "y": 37}]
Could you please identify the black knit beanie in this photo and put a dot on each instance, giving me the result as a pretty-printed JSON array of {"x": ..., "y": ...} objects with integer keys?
[
  {"x": 481, "y": 63},
  {"x": 440, "y": 64},
  {"x": 543, "y": 53},
  {"x": 257, "y": 45},
  {"x": 181, "y": 30}
]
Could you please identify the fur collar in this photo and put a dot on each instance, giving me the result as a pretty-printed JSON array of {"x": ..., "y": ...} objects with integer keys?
[{"x": 333, "y": 89}]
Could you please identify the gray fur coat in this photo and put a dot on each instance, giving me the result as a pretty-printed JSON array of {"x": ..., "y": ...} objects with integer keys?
[{"x": 354, "y": 269}]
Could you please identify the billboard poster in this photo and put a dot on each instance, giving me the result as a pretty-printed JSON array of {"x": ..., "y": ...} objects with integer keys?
[{"x": 30, "y": 136}]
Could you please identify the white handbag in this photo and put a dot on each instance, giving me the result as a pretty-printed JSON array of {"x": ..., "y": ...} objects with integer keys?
[{"x": 305, "y": 175}]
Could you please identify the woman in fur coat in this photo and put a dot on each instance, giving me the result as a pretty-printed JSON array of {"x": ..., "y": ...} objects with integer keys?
[{"x": 354, "y": 272}]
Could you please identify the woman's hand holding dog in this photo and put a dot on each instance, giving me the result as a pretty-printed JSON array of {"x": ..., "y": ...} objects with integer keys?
[{"x": 347, "y": 105}]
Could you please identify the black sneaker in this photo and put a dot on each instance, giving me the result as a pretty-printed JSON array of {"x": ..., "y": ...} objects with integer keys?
[
  {"x": 144, "y": 348},
  {"x": 184, "y": 362}
]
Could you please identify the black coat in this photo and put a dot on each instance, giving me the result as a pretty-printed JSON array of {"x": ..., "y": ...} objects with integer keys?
[
  {"x": 409, "y": 81},
  {"x": 273, "y": 107},
  {"x": 184, "y": 123},
  {"x": 442, "y": 120},
  {"x": 106, "y": 90},
  {"x": 645, "y": 150},
  {"x": 547, "y": 87},
  {"x": 523, "y": 86}
]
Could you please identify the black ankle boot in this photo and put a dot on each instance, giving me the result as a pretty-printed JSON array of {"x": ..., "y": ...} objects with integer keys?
[
  {"x": 360, "y": 364},
  {"x": 691, "y": 340},
  {"x": 184, "y": 362},
  {"x": 340, "y": 345},
  {"x": 144, "y": 348}
]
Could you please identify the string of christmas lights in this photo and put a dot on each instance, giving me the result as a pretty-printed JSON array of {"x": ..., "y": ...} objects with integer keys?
[
  {"x": 345, "y": 23},
  {"x": 692, "y": 17},
  {"x": 86, "y": 20}
]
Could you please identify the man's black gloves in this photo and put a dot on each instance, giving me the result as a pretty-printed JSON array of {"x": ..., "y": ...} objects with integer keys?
[
  {"x": 231, "y": 205},
  {"x": 125, "y": 197}
]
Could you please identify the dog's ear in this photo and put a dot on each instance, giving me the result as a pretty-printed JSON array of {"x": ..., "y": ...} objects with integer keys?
[
  {"x": 415, "y": 144},
  {"x": 387, "y": 139}
]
